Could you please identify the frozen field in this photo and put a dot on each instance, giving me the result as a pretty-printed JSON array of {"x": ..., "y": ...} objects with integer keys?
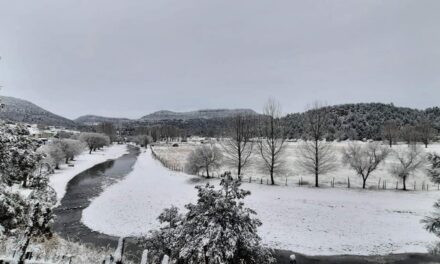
[
  {"x": 178, "y": 156},
  {"x": 303, "y": 219}
]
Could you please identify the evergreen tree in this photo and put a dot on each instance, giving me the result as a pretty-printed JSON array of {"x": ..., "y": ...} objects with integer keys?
[{"x": 217, "y": 229}]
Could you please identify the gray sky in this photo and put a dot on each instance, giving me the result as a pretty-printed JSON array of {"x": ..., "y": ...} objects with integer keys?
[{"x": 130, "y": 58}]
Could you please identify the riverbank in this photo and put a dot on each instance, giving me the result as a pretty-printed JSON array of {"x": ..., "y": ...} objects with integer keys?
[
  {"x": 61, "y": 177},
  {"x": 83, "y": 188},
  {"x": 308, "y": 220}
]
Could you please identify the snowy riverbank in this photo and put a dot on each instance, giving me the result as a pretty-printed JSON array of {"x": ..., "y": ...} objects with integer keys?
[
  {"x": 307, "y": 220},
  {"x": 61, "y": 177}
]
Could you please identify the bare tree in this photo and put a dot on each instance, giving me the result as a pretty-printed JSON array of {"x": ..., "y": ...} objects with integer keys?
[
  {"x": 238, "y": 145},
  {"x": 390, "y": 131},
  {"x": 205, "y": 158},
  {"x": 409, "y": 134},
  {"x": 317, "y": 155},
  {"x": 316, "y": 158},
  {"x": 425, "y": 131},
  {"x": 409, "y": 161},
  {"x": 364, "y": 159},
  {"x": 271, "y": 146}
]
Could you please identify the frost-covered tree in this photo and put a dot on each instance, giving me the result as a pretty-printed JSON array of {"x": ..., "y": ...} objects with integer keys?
[
  {"x": 70, "y": 148},
  {"x": 54, "y": 154},
  {"x": 364, "y": 159},
  {"x": 94, "y": 141},
  {"x": 204, "y": 158},
  {"x": 143, "y": 140},
  {"x": 18, "y": 155},
  {"x": 409, "y": 160},
  {"x": 39, "y": 219},
  {"x": 434, "y": 167},
  {"x": 217, "y": 229},
  {"x": 25, "y": 210},
  {"x": 13, "y": 211},
  {"x": 432, "y": 225},
  {"x": 238, "y": 145},
  {"x": 272, "y": 144}
]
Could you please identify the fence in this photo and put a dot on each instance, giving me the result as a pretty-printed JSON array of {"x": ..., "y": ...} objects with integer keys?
[
  {"x": 166, "y": 163},
  {"x": 348, "y": 183}
]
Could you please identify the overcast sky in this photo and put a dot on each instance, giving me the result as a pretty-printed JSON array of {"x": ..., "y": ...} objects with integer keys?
[{"x": 130, "y": 58}]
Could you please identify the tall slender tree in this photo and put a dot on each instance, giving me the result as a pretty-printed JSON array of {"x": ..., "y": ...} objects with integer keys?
[
  {"x": 272, "y": 144},
  {"x": 317, "y": 155},
  {"x": 238, "y": 144}
]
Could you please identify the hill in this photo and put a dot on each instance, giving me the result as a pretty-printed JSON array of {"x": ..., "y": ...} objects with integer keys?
[
  {"x": 18, "y": 110},
  {"x": 199, "y": 114},
  {"x": 90, "y": 120},
  {"x": 364, "y": 120}
]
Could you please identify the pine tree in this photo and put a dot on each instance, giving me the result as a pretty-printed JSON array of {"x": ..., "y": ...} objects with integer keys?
[{"x": 217, "y": 229}]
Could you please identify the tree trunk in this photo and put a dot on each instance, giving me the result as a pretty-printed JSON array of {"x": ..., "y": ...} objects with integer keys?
[
  {"x": 23, "y": 251},
  {"x": 404, "y": 183},
  {"x": 272, "y": 181},
  {"x": 24, "y": 182},
  {"x": 364, "y": 183},
  {"x": 207, "y": 172},
  {"x": 316, "y": 164}
]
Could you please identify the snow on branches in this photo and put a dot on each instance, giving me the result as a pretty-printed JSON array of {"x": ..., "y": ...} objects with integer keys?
[{"x": 217, "y": 229}]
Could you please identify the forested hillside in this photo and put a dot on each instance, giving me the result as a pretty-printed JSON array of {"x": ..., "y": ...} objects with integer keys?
[{"x": 364, "y": 120}]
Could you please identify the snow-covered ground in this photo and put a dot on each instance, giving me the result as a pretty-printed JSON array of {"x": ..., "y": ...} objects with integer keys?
[
  {"x": 61, "y": 177},
  {"x": 303, "y": 219},
  {"x": 177, "y": 156}
]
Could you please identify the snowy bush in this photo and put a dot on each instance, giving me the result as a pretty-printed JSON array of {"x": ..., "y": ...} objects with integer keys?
[
  {"x": 434, "y": 169},
  {"x": 54, "y": 154},
  {"x": 70, "y": 148},
  {"x": 409, "y": 160},
  {"x": 94, "y": 141},
  {"x": 217, "y": 229},
  {"x": 18, "y": 156},
  {"x": 205, "y": 158}
]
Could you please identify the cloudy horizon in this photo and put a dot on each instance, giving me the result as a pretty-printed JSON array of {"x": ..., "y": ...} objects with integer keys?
[{"x": 128, "y": 59}]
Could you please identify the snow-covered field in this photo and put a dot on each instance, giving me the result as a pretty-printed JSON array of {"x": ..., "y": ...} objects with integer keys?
[
  {"x": 303, "y": 219},
  {"x": 178, "y": 156},
  {"x": 61, "y": 177}
]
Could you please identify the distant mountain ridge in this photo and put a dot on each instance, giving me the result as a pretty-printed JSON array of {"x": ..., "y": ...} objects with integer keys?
[
  {"x": 18, "y": 110},
  {"x": 199, "y": 114},
  {"x": 93, "y": 120}
]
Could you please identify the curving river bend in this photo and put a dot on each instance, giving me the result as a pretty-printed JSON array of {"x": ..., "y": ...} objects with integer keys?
[{"x": 79, "y": 193}]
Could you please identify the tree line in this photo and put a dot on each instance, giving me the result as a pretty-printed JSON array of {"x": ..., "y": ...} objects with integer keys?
[{"x": 267, "y": 134}]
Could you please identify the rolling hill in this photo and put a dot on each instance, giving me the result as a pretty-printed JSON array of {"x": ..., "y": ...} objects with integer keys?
[{"x": 18, "y": 110}]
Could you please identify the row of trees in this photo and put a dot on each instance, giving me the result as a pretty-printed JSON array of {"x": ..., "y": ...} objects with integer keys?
[
  {"x": 423, "y": 132},
  {"x": 265, "y": 135}
]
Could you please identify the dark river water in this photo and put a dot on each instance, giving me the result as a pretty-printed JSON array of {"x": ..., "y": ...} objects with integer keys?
[{"x": 79, "y": 194}]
